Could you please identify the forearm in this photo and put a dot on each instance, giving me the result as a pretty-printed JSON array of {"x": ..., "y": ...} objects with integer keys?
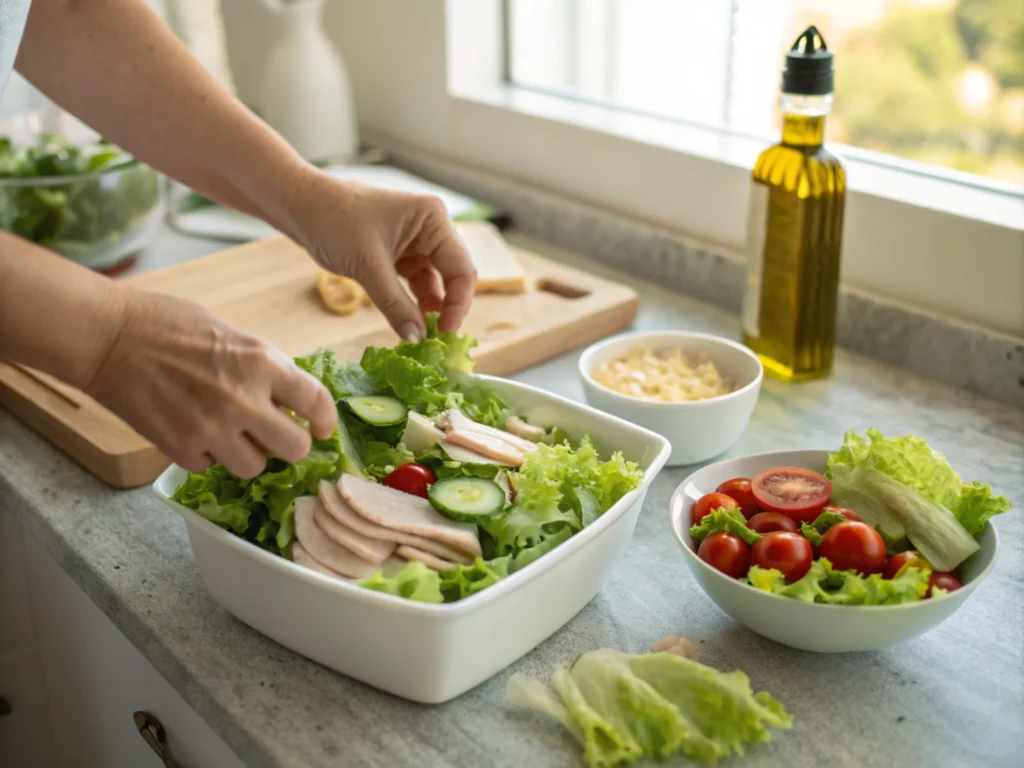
[
  {"x": 123, "y": 72},
  {"x": 55, "y": 315}
]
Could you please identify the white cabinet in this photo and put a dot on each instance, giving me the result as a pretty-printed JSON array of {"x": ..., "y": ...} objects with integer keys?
[
  {"x": 25, "y": 738},
  {"x": 94, "y": 681}
]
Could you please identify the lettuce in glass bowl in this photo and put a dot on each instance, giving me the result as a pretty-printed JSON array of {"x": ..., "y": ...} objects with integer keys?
[{"x": 92, "y": 203}]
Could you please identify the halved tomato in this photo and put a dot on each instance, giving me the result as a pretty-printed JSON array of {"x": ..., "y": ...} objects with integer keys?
[{"x": 799, "y": 493}]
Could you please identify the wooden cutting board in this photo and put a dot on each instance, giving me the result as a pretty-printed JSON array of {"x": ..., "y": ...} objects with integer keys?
[{"x": 267, "y": 287}]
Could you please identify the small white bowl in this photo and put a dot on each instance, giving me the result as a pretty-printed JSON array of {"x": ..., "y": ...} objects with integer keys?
[
  {"x": 698, "y": 430},
  {"x": 813, "y": 626},
  {"x": 429, "y": 653}
]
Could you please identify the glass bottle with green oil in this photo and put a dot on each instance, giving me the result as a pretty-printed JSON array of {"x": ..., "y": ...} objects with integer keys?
[{"x": 795, "y": 226}]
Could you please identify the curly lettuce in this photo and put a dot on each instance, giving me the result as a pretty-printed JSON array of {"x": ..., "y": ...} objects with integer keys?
[
  {"x": 622, "y": 707},
  {"x": 260, "y": 510},
  {"x": 428, "y": 375},
  {"x": 908, "y": 490},
  {"x": 725, "y": 521},
  {"x": 550, "y": 473},
  {"x": 910, "y": 461},
  {"x": 815, "y": 531},
  {"x": 824, "y": 584}
]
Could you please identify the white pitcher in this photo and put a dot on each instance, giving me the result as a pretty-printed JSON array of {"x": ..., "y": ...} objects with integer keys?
[{"x": 306, "y": 94}]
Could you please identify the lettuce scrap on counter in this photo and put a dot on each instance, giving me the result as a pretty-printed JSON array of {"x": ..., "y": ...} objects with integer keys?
[
  {"x": 622, "y": 707},
  {"x": 560, "y": 489}
]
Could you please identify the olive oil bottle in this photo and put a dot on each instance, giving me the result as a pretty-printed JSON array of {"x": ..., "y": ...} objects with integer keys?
[{"x": 795, "y": 226}]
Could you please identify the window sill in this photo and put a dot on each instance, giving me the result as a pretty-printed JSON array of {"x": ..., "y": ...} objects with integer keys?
[{"x": 888, "y": 178}]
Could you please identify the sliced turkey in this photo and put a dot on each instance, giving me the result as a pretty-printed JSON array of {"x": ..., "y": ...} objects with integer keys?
[
  {"x": 321, "y": 547},
  {"x": 406, "y": 513},
  {"x": 339, "y": 509},
  {"x": 490, "y": 447},
  {"x": 520, "y": 428},
  {"x": 372, "y": 550},
  {"x": 429, "y": 560},
  {"x": 301, "y": 557},
  {"x": 466, "y": 456},
  {"x": 505, "y": 484},
  {"x": 454, "y": 420}
]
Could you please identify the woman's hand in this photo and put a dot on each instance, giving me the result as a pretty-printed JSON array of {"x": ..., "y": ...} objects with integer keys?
[
  {"x": 373, "y": 236},
  {"x": 204, "y": 391}
]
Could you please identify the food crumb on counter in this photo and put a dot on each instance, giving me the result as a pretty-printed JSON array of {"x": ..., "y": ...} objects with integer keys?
[{"x": 678, "y": 645}]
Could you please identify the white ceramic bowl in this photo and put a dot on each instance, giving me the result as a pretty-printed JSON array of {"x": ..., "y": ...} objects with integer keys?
[
  {"x": 811, "y": 626},
  {"x": 429, "y": 653},
  {"x": 698, "y": 430}
]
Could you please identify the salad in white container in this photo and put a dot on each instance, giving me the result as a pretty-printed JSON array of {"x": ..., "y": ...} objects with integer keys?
[
  {"x": 432, "y": 488},
  {"x": 333, "y": 558}
]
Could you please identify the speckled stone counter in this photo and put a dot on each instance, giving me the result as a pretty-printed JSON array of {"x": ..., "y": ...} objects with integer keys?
[{"x": 954, "y": 697}]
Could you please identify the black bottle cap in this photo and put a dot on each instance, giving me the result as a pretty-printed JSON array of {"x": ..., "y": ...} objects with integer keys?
[{"x": 808, "y": 69}]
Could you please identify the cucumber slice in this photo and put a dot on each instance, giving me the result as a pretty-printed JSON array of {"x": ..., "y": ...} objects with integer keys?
[
  {"x": 467, "y": 499},
  {"x": 378, "y": 410},
  {"x": 350, "y": 461}
]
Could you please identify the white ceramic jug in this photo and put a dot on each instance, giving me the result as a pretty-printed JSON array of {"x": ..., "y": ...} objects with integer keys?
[{"x": 306, "y": 94}]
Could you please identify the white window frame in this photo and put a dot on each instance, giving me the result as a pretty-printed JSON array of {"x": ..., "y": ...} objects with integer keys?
[{"x": 429, "y": 76}]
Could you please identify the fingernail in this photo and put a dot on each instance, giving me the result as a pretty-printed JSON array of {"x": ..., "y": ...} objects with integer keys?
[{"x": 410, "y": 331}]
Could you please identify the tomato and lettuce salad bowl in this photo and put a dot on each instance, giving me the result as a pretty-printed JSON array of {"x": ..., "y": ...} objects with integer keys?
[
  {"x": 419, "y": 634},
  {"x": 884, "y": 509}
]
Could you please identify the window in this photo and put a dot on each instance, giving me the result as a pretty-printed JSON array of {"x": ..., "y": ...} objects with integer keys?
[
  {"x": 939, "y": 82},
  {"x": 533, "y": 91}
]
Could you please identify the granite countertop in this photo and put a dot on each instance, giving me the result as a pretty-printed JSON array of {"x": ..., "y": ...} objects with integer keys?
[{"x": 950, "y": 698}]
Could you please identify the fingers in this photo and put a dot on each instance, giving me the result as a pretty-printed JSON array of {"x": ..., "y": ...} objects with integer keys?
[
  {"x": 379, "y": 278},
  {"x": 425, "y": 282},
  {"x": 295, "y": 389},
  {"x": 459, "y": 277},
  {"x": 279, "y": 435},
  {"x": 452, "y": 262},
  {"x": 240, "y": 456}
]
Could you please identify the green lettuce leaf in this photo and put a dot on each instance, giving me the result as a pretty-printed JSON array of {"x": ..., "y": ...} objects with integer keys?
[
  {"x": 419, "y": 372},
  {"x": 477, "y": 400},
  {"x": 522, "y": 527},
  {"x": 467, "y": 580},
  {"x": 931, "y": 527},
  {"x": 552, "y": 471},
  {"x": 341, "y": 380},
  {"x": 547, "y": 543},
  {"x": 414, "y": 582},
  {"x": 621, "y": 707},
  {"x": 725, "y": 521},
  {"x": 816, "y": 530},
  {"x": 380, "y": 459},
  {"x": 824, "y": 584},
  {"x": 260, "y": 510},
  {"x": 910, "y": 461},
  {"x": 455, "y": 356}
]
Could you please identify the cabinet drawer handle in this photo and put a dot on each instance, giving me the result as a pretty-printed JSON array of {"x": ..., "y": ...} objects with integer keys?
[{"x": 153, "y": 733}]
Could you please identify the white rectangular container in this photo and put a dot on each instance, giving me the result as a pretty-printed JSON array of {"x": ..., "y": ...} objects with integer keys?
[{"x": 422, "y": 652}]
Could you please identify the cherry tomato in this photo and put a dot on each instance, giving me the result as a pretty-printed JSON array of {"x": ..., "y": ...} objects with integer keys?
[
  {"x": 766, "y": 522},
  {"x": 849, "y": 514},
  {"x": 784, "y": 551},
  {"x": 943, "y": 580},
  {"x": 709, "y": 502},
  {"x": 739, "y": 489},
  {"x": 799, "y": 493},
  {"x": 726, "y": 552},
  {"x": 897, "y": 561},
  {"x": 850, "y": 545},
  {"x": 411, "y": 478}
]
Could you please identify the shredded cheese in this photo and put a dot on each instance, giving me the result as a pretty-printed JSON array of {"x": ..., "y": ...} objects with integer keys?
[{"x": 667, "y": 376}]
